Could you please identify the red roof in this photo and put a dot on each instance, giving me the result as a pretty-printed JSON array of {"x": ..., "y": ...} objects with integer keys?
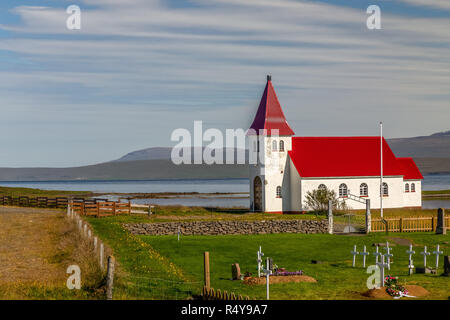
[
  {"x": 270, "y": 116},
  {"x": 348, "y": 157},
  {"x": 410, "y": 169}
]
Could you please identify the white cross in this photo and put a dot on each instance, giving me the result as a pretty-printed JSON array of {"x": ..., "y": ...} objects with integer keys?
[
  {"x": 382, "y": 265},
  {"x": 267, "y": 272},
  {"x": 376, "y": 254},
  {"x": 437, "y": 253},
  {"x": 259, "y": 254},
  {"x": 411, "y": 264},
  {"x": 364, "y": 253},
  {"x": 388, "y": 255},
  {"x": 354, "y": 253},
  {"x": 425, "y": 254},
  {"x": 179, "y": 231}
]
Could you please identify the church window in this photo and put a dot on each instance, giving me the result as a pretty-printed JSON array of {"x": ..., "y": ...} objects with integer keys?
[
  {"x": 322, "y": 187},
  {"x": 274, "y": 145},
  {"x": 363, "y": 190},
  {"x": 413, "y": 187},
  {"x": 385, "y": 189},
  {"x": 343, "y": 190},
  {"x": 407, "y": 187},
  {"x": 281, "y": 146},
  {"x": 279, "y": 192}
]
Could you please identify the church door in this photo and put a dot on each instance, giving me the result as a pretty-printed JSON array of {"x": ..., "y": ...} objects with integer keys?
[{"x": 257, "y": 194}]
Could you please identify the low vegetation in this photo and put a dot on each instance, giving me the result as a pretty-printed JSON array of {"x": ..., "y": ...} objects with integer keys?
[{"x": 29, "y": 192}]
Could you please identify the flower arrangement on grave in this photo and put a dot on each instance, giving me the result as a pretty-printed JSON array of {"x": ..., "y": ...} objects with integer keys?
[{"x": 393, "y": 288}]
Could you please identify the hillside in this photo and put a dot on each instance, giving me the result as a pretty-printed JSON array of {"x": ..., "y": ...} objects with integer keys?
[{"x": 431, "y": 153}]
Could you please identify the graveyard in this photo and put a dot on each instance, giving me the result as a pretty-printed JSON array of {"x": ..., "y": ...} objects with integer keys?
[{"x": 172, "y": 267}]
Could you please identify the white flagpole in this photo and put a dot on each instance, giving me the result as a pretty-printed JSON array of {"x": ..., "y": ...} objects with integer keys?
[{"x": 381, "y": 170}]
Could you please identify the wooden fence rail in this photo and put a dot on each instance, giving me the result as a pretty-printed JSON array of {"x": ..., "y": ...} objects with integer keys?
[
  {"x": 41, "y": 202},
  {"x": 211, "y": 294},
  {"x": 407, "y": 224}
]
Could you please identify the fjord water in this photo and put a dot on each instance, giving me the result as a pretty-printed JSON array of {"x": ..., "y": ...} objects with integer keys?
[{"x": 239, "y": 186}]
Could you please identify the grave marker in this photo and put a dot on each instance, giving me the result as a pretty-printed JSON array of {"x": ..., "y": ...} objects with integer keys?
[
  {"x": 382, "y": 266},
  {"x": 388, "y": 255},
  {"x": 437, "y": 253},
  {"x": 411, "y": 264},
  {"x": 259, "y": 254},
  {"x": 364, "y": 253},
  {"x": 354, "y": 253},
  {"x": 236, "y": 271},
  {"x": 446, "y": 266},
  {"x": 425, "y": 254},
  {"x": 267, "y": 272},
  {"x": 376, "y": 254}
]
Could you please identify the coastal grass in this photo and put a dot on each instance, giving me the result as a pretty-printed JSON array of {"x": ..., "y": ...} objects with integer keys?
[
  {"x": 161, "y": 267},
  {"x": 30, "y": 192}
]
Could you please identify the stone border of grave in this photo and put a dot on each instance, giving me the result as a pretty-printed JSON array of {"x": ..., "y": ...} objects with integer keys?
[{"x": 229, "y": 227}]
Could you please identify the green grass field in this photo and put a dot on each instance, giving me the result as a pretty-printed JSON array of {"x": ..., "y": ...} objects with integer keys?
[
  {"x": 16, "y": 192},
  {"x": 160, "y": 267}
]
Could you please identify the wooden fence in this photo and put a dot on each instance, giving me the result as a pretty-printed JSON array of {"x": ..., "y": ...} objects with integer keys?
[
  {"x": 211, "y": 294},
  {"x": 40, "y": 202},
  {"x": 108, "y": 208},
  {"x": 407, "y": 224}
]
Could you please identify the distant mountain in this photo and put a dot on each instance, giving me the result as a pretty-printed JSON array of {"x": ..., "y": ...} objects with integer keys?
[
  {"x": 431, "y": 153},
  {"x": 434, "y": 146}
]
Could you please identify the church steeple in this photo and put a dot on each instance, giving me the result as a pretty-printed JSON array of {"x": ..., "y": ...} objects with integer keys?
[{"x": 270, "y": 116}]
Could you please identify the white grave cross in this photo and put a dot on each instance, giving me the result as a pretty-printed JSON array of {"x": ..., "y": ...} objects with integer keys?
[
  {"x": 259, "y": 254},
  {"x": 267, "y": 272},
  {"x": 425, "y": 254},
  {"x": 364, "y": 253},
  {"x": 388, "y": 255},
  {"x": 382, "y": 266},
  {"x": 437, "y": 253},
  {"x": 354, "y": 253},
  {"x": 376, "y": 254},
  {"x": 411, "y": 264}
]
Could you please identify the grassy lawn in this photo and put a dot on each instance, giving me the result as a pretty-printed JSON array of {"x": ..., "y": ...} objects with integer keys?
[{"x": 160, "y": 267}]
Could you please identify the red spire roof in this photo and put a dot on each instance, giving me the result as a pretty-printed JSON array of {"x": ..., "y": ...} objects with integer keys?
[
  {"x": 348, "y": 157},
  {"x": 270, "y": 116}
]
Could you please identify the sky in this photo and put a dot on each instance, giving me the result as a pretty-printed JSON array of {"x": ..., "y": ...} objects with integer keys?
[{"x": 139, "y": 69}]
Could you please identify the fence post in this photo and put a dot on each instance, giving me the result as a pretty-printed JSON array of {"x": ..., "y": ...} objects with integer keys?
[
  {"x": 206, "y": 268},
  {"x": 401, "y": 224},
  {"x": 441, "y": 228},
  {"x": 110, "y": 278},
  {"x": 330, "y": 217},
  {"x": 368, "y": 217},
  {"x": 101, "y": 255}
]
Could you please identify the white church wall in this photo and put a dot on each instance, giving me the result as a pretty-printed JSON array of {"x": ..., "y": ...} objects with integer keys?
[
  {"x": 296, "y": 188},
  {"x": 393, "y": 200},
  {"x": 412, "y": 199}
]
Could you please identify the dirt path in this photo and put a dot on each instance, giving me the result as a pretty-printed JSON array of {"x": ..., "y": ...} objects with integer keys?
[{"x": 28, "y": 243}]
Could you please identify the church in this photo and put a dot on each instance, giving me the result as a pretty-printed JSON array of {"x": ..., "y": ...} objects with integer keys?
[{"x": 289, "y": 167}]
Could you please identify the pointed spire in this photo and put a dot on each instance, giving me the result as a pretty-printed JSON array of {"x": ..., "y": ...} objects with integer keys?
[{"x": 270, "y": 116}]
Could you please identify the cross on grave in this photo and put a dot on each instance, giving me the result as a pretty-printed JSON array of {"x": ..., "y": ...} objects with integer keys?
[
  {"x": 364, "y": 253},
  {"x": 388, "y": 255},
  {"x": 259, "y": 254},
  {"x": 267, "y": 272},
  {"x": 411, "y": 264},
  {"x": 382, "y": 266},
  {"x": 376, "y": 254},
  {"x": 179, "y": 232},
  {"x": 354, "y": 253},
  {"x": 425, "y": 254},
  {"x": 437, "y": 253}
]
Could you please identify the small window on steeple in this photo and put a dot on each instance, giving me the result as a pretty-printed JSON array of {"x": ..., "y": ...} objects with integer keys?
[
  {"x": 281, "y": 146},
  {"x": 274, "y": 145}
]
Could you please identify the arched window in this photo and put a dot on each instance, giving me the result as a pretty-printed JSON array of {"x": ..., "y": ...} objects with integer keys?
[
  {"x": 363, "y": 190},
  {"x": 322, "y": 187},
  {"x": 281, "y": 146},
  {"x": 343, "y": 190},
  {"x": 278, "y": 192},
  {"x": 407, "y": 187},
  {"x": 413, "y": 187},
  {"x": 385, "y": 191},
  {"x": 274, "y": 145}
]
